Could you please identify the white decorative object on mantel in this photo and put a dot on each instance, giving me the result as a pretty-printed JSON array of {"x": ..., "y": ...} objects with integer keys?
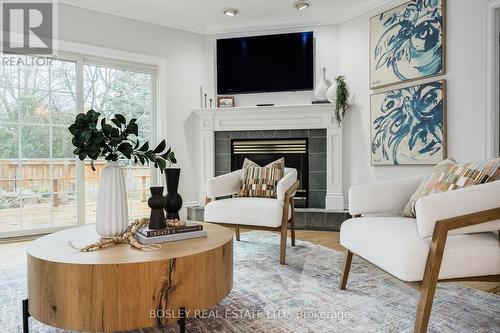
[
  {"x": 111, "y": 209},
  {"x": 331, "y": 93},
  {"x": 280, "y": 117},
  {"x": 322, "y": 87}
]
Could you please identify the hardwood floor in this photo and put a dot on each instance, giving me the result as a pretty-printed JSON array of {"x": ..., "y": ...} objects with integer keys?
[
  {"x": 325, "y": 238},
  {"x": 14, "y": 253}
]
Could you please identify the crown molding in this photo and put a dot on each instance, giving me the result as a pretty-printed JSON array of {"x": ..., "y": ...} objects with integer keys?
[
  {"x": 293, "y": 22},
  {"x": 232, "y": 27},
  {"x": 258, "y": 25}
]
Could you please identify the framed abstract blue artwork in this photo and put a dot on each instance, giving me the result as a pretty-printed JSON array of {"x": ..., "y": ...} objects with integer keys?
[
  {"x": 408, "y": 125},
  {"x": 407, "y": 43}
]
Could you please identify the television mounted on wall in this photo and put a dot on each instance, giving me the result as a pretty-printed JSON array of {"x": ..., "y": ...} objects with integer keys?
[{"x": 271, "y": 63}]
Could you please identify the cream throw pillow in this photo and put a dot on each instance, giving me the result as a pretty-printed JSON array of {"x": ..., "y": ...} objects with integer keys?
[{"x": 449, "y": 175}]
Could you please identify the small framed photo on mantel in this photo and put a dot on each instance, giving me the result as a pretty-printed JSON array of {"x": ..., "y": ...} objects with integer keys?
[{"x": 225, "y": 101}]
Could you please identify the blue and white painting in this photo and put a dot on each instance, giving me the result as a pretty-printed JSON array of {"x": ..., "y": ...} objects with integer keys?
[
  {"x": 407, "y": 125},
  {"x": 406, "y": 43}
]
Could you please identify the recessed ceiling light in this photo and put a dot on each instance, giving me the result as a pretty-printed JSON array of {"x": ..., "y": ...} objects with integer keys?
[
  {"x": 301, "y": 4},
  {"x": 231, "y": 11}
]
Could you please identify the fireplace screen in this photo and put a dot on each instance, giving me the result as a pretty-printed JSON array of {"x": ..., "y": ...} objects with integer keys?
[{"x": 264, "y": 151}]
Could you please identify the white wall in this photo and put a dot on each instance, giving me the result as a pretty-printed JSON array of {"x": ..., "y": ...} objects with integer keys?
[
  {"x": 326, "y": 55},
  {"x": 185, "y": 54},
  {"x": 465, "y": 67},
  {"x": 343, "y": 49}
]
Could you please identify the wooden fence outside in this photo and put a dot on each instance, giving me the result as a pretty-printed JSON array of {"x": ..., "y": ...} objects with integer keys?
[{"x": 34, "y": 176}]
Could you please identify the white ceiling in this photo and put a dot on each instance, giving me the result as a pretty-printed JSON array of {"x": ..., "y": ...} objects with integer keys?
[{"x": 205, "y": 16}]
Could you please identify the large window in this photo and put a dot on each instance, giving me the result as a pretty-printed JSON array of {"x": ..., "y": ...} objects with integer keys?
[
  {"x": 109, "y": 91},
  {"x": 42, "y": 184}
]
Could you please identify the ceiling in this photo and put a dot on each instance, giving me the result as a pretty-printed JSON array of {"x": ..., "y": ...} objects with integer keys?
[{"x": 205, "y": 16}]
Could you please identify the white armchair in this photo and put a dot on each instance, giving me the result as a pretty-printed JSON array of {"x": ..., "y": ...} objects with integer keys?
[
  {"x": 253, "y": 213},
  {"x": 467, "y": 221}
]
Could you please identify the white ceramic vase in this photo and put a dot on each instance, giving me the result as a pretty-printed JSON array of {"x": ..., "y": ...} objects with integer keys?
[
  {"x": 331, "y": 93},
  {"x": 322, "y": 87},
  {"x": 111, "y": 209}
]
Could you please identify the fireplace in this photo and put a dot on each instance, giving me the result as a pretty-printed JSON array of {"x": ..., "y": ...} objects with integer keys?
[
  {"x": 217, "y": 127},
  {"x": 264, "y": 151},
  {"x": 303, "y": 149}
]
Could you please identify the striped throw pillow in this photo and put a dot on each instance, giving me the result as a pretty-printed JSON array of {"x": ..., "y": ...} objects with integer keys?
[
  {"x": 257, "y": 181},
  {"x": 449, "y": 175}
]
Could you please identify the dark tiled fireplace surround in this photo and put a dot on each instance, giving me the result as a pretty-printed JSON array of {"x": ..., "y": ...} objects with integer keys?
[
  {"x": 313, "y": 218},
  {"x": 317, "y": 156}
]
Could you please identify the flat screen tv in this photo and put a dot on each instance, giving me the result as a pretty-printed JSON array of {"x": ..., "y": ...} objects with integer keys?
[{"x": 271, "y": 63}]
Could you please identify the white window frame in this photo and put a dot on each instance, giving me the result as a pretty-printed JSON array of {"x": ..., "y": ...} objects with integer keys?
[
  {"x": 88, "y": 54},
  {"x": 492, "y": 74}
]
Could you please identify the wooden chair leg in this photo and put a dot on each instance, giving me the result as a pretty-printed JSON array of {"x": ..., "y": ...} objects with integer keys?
[
  {"x": 292, "y": 222},
  {"x": 345, "y": 271},
  {"x": 431, "y": 276},
  {"x": 284, "y": 231},
  {"x": 284, "y": 220},
  {"x": 424, "y": 307},
  {"x": 237, "y": 232}
]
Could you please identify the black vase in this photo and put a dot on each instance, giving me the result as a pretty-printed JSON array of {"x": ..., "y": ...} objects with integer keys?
[
  {"x": 173, "y": 199},
  {"x": 157, "y": 204}
]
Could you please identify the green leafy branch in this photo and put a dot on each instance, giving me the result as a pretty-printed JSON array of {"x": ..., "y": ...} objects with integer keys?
[
  {"x": 342, "y": 101},
  {"x": 115, "y": 140}
]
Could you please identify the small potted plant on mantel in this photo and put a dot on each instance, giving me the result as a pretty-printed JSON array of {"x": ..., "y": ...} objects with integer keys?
[
  {"x": 339, "y": 94},
  {"x": 114, "y": 141}
]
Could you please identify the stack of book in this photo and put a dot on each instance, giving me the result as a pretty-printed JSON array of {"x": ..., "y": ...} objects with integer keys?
[{"x": 170, "y": 234}]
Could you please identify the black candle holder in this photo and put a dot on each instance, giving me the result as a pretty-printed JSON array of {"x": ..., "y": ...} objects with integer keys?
[
  {"x": 157, "y": 203},
  {"x": 173, "y": 199}
]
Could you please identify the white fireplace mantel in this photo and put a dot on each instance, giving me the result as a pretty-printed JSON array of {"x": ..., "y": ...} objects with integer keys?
[{"x": 281, "y": 117}]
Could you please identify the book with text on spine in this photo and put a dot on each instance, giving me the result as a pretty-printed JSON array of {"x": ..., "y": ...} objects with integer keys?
[
  {"x": 170, "y": 238},
  {"x": 189, "y": 227}
]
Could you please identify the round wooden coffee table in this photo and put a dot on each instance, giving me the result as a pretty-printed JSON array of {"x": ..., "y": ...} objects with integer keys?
[{"x": 122, "y": 288}]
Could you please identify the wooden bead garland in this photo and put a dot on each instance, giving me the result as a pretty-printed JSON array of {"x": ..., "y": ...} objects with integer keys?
[
  {"x": 127, "y": 236},
  {"x": 176, "y": 223}
]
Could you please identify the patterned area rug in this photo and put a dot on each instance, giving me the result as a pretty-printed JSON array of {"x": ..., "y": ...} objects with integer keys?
[{"x": 302, "y": 297}]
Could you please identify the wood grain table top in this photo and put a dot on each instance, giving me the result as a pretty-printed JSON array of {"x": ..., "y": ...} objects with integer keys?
[{"x": 55, "y": 247}]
